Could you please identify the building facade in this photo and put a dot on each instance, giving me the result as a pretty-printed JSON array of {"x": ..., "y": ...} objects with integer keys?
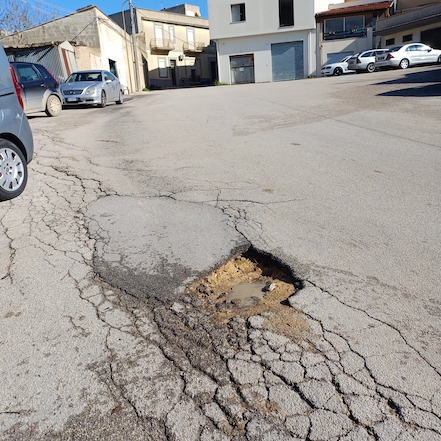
[
  {"x": 348, "y": 28},
  {"x": 174, "y": 46},
  {"x": 265, "y": 40},
  {"x": 86, "y": 39},
  {"x": 412, "y": 21}
]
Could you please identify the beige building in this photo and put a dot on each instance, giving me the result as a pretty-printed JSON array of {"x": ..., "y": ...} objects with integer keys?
[
  {"x": 174, "y": 47},
  {"x": 86, "y": 39}
]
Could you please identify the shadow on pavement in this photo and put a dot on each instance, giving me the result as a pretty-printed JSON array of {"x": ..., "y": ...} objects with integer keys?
[{"x": 425, "y": 84}]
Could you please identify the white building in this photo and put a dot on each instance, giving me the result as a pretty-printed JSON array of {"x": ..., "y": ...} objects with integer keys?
[{"x": 265, "y": 40}]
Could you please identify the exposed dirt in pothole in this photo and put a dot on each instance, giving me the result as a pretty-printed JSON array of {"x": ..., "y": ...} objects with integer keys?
[{"x": 252, "y": 284}]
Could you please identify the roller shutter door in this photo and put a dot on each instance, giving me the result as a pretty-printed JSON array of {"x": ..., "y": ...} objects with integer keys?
[{"x": 287, "y": 61}]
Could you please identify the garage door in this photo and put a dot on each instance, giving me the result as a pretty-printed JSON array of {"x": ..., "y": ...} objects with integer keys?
[
  {"x": 287, "y": 60},
  {"x": 432, "y": 37}
]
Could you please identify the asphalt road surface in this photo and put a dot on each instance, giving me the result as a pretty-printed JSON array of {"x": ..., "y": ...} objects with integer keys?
[{"x": 337, "y": 179}]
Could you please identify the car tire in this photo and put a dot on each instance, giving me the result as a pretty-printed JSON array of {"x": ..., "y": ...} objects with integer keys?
[
  {"x": 53, "y": 106},
  {"x": 338, "y": 71},
  {"x": 103, "y": 101},
  {"x": 13, "y": 170},
  {"x": 120, "y": 97},
  {"x": 370, "y": 68},
  {"x": 404, "y": 63},
  {"x": 439, "y": 59}
]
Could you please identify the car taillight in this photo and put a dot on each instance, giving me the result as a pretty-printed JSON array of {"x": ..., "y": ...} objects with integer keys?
[
  {"x": 358, "y": 61},
  {"x": 17, "y": 87},
  {"x": 389, "y": 57}
]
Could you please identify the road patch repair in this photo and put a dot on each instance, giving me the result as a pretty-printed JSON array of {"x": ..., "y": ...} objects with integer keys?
[{"x": 187, "y": 247}]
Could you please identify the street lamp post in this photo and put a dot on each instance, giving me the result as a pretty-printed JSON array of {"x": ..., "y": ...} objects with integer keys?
[
  {"x": 135, "y": 45},
  {"x": 126, "y": 46}
]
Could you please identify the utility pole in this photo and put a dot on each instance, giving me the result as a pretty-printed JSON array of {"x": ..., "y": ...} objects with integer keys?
[{"x": 135, "y": 45}]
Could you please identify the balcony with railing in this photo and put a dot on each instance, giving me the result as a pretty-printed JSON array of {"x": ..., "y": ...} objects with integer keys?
[
  {"x": 193, "y": 47},
  {"x": 339, "y": 35},
  {"x": 411, "y": 18},
  {"x": 162, "y": 45}
]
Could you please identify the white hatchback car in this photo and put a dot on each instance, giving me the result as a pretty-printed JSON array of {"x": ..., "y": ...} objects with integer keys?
[
  {"x": 408, "y": 55},
  {"x": 336, "y": 68}
]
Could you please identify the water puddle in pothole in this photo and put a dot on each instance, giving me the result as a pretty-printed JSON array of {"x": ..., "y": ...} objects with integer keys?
[
  {"x": 252, "y": 284},
  {"x": 247, "y": 294}
]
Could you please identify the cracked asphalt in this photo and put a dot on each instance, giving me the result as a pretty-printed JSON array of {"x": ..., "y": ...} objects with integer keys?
[{"x": 337, "y": 178}]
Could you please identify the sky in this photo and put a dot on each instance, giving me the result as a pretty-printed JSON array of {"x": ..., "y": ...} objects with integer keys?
[{"x": 112, "y": 6}]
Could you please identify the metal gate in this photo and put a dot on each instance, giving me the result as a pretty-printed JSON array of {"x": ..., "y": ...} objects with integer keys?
[
  {"x": 287, "y": 61},
  {"x": 242, "y": 69}
]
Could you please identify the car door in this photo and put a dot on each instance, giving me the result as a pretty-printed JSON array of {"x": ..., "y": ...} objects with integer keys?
[
  {"x": 111, "y": 86},
  {"x": 32, "y": 85},
  {"x": 427, "y": 54},
  {"x": 413, "y": 53}
]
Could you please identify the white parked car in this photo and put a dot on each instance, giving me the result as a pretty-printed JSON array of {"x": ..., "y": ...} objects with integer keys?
[
  {"x": 408, "y": 55},
  {"x": 337, "y": 68}
]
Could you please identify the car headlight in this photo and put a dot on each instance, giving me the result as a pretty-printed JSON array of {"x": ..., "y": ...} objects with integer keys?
[{"x": 90, "y": 90}]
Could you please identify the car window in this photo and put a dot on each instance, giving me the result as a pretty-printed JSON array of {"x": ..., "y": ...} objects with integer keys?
[
  {"x": 109, "y": 76},
  {"x": 44, "y": 73},
  {"x": 94, "y": 76},
  {"x": 413, "y": 48},
  {"x": 27, "y": 72}
]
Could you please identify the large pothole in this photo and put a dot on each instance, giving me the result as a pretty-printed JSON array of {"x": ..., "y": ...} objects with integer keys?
[{"x": 248, "y": 285}]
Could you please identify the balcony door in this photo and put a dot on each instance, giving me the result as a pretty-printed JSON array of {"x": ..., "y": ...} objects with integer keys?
[
  {"x": 190, "y": 38},
  {"x": 159, "y": 35}
]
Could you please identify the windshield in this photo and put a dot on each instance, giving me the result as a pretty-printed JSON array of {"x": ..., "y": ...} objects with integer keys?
[
  {"x": 84, "y": 76},
  {"x": 395, "y": 49}
]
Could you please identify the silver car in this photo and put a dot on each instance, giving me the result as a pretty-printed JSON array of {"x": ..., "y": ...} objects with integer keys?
[
  {"x": 408, "y": 55},
  {"x": 364, "y": 61},
  {"x": 16, "y": 142},
  {"x": 95, "y": 87}
]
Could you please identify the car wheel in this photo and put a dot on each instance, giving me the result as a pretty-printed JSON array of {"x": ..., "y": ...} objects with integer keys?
[
  {"x": 53, "y": 106},
  {"x": 439, "y": 59},
  {"x": 103, "y": 101},
  {"x": 370, "y": 67},
  {"x": 120, "y": 98},
  {"x": 404, "y": 63},
  {"x": 13, "y": 170},
  {"x": 338, "y": 71}
]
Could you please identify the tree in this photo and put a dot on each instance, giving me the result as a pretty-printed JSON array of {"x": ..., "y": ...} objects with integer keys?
[{"x": 19, "y": 15}]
